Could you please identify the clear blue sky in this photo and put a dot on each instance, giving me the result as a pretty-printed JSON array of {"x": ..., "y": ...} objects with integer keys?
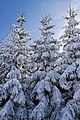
[{"x": 34, "y": 10}]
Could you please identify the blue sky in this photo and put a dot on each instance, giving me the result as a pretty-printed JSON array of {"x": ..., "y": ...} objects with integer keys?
[{"x": 34, "y": 10}]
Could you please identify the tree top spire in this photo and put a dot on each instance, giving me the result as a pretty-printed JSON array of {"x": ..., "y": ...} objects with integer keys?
[
  {"x": 72, "y": 13},
  {"x": 21, "y": 20}
]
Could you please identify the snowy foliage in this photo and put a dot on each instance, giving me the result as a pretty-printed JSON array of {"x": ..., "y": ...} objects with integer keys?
[
  {"x": 11, "y": 98},
  {"x": 44, "y": 93},
  {"x": 69, "y": 68},
  {"x": 45, "y": 49},
  {"x": 38, "y": 82},
  {"x": 17, "y": 49}
]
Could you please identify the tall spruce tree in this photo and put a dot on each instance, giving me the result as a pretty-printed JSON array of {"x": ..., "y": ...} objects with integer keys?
[
  {"x": 43, "y": 81},
  {"x": 45, "y": 49},
  {"x": 14, "y": 54},
  {"x": 69, "y": 68},
  {"x": 18, "y": 48}
]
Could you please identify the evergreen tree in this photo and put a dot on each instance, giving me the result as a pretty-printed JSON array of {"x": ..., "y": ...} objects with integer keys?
[
  {"x": 13, "y": 65},
  {"x": 18, "y": 51},
  {"x": 43, "y": 81},
  {"x": 71, "y": 51},
  {"x": 69, "y": 68},
  {"x": 45, "y": 49}
]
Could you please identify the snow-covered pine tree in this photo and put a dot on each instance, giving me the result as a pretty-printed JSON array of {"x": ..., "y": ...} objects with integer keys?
[
  {"x": 45, "y": 95},
  {"x": 17, "y": 48},
  {"x": 69, "y": 68},
  {"x": 14, "y": 54},
  {"x": 71, "y": 50},
  {"x": 45, "y": 49}
]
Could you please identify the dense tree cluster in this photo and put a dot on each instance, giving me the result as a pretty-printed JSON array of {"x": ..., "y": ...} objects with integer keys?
[{"x": 38, "y": 82}]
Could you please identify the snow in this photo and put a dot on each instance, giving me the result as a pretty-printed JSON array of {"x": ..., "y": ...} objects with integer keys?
[
  {"x": 76, "y": 96},
  {"x": 56, "y": 98},
  {"x": 39, "y": 82},
  {"x": 45, "y": 55},
  {"x": 7, "y": 112},
  {"x": 11, "y": 94},
  {"x": 14, "y": 73},
  {"x": 40, "y": 111}
]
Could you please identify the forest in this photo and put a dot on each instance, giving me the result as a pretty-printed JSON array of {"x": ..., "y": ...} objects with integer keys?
[{"x": 41, "y": 81}]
